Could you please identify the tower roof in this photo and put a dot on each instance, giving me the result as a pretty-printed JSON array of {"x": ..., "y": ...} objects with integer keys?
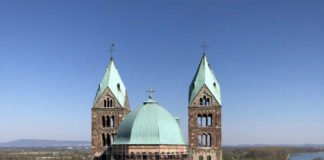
[
  {"x": 204, "y": 76},
  {"x": 113, "y": 81},
  {"x": 149, "y": 124}
]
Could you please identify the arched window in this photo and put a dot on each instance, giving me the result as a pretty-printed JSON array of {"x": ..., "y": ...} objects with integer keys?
[
  {"x": 105, "y": 103},
  {"x": 208, "y": 140},
  {"x": 201, "y": 158},
  {"x": 103, "y": 121},
  {"x": 204, "y": 121},
  {"x": 112, "y": 121},
  {"x": 199, "y": 140},
  {"x": 199, "y": 120},
  {"x": 204, "y": 101},
  {"x": 200, "y": 101},
  {"x": 108, "y": 140},
  {"x": 103, "y": 139},
  {"x": 108, "y": 121},
  {"x": 108, "y": 102},
  {"x": 111, "y": 103},
  {"x": 204, "y": 140},
  {"x": 209, "y": 120},
  {"x": 208, "y": 157}
]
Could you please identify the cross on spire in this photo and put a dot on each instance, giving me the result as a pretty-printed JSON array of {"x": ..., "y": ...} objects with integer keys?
[
  {"x": 111, "y": 50},
  {"x": 204, "y": 46},
  {"x": 150, "y": 92}
]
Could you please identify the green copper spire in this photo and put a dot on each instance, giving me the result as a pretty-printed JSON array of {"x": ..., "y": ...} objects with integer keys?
[
  {"x": 204, "y": 76},
  {"x": 113, "y": 81}
]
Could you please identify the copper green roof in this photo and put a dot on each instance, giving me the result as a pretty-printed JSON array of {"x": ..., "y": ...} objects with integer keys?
[
  {"x": 149, "y": 124},
  {"x": 204, "y": 76},
  {"x": 113, "y": 81}
]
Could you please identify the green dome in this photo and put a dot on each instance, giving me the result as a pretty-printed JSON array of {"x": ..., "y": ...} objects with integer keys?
[{"x": 149, "y": 124}]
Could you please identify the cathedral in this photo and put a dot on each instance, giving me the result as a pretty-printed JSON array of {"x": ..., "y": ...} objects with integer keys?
[{"x": 150, "y": 132}]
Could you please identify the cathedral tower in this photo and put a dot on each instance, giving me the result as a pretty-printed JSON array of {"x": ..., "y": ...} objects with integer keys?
[
  {"x": 204, "y": 111},
  {"x": 109, "y": 109}
]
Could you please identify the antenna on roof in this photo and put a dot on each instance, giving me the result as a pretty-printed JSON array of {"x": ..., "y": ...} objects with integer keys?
[{"x": 111, "y": 50}]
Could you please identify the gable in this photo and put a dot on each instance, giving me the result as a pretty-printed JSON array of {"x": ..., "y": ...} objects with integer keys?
[
  {"x": 107, "y": 93},
  {"x": 204, "y": 92}
]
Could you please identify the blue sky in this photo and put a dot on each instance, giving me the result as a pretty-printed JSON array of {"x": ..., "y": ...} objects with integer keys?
[{"x": 268, "y": 57}]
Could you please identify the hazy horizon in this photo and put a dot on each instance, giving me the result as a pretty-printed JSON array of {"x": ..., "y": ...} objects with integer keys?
[
  {"x": 268, "y": 57},
  {"x": 222, "y": 144}
]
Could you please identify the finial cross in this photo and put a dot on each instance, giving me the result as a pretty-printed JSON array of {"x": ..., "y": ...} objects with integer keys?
[
  {"x": 204, "y": 46},
  {"x": 150, "y": 92},
  {"x": 111, "y": 50}
]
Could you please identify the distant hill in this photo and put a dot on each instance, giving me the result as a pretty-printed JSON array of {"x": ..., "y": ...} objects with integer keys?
[{"x": 45, "y": 143}]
